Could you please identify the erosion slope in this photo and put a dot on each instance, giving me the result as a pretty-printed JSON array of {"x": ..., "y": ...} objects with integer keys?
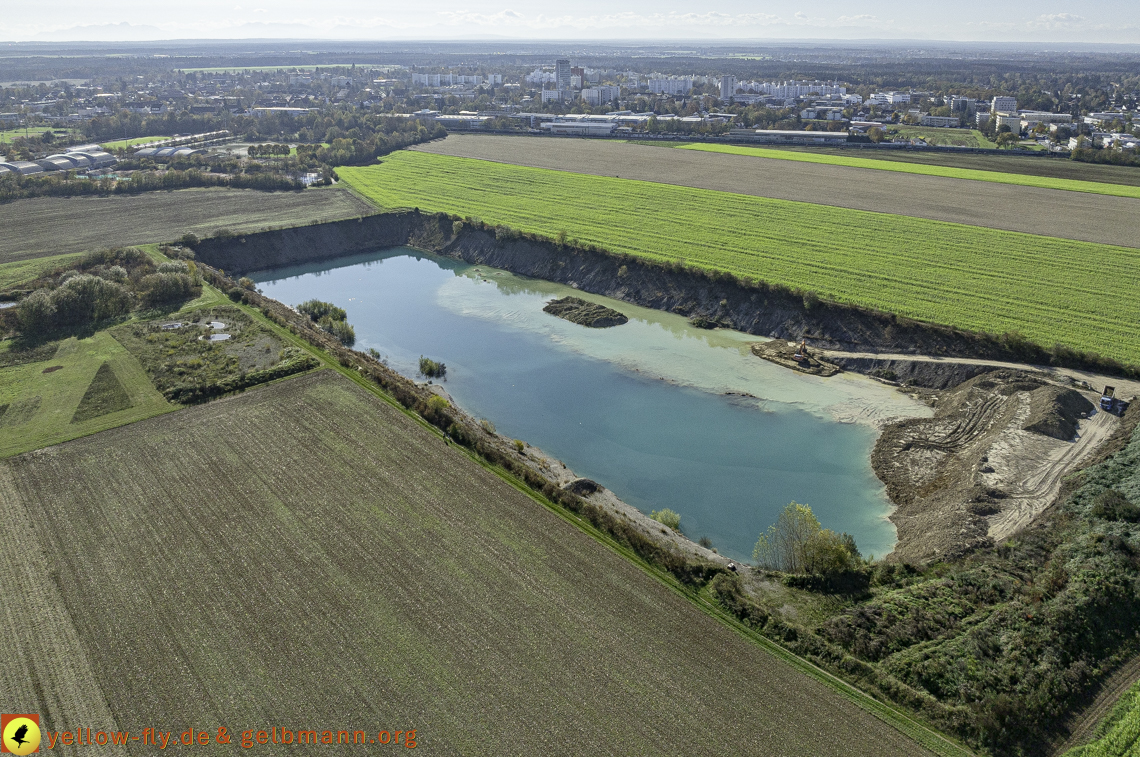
[{"x": 307, "y": 556}]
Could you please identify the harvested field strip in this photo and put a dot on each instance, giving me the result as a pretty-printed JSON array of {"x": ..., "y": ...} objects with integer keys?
[
  {"x": 1104, "y": 219},
  {"x": 350, "y": 564},
  {"x": 1048, "y": 289},
  {"x": 94, "y": 223},
  {"x": 43, "y": 404},
  {"x": 997, "y": 177}
]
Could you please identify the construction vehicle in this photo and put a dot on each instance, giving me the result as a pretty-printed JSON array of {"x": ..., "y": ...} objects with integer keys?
[
  {"x": 801, "y": 351},
  {"x": 1108, "y": 399}
]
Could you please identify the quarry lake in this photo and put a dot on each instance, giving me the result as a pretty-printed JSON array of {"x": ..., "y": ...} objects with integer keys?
[{"x": 663, "y": 414}]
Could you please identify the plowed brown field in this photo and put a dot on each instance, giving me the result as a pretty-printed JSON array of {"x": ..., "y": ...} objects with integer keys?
[
  {"x": 305, "y": 556},
  {"x": 55, "y": 225}
]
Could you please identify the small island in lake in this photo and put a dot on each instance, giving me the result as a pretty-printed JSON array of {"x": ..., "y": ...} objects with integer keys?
[{"x": 586, "y": 313}]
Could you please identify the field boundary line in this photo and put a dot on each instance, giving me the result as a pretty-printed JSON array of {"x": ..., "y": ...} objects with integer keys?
[{"x": 920, "y": 169}]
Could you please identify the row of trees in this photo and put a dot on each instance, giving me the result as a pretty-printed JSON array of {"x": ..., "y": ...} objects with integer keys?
[
  {"x": 268, "y": 150},
  {"x": 13, "y": 186}
]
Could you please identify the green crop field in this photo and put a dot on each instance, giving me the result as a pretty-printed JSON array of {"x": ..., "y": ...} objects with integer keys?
[
  {"x": 121, "y": 143},
  {"x": 1050, "y": 290},
  {"x": 997, "y": 177},
  {"x": 307, "y": 556},
  {"x": 7, "y": 135}
]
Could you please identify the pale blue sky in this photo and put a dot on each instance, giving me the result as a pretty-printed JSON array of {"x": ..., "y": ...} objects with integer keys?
[{"x": 1052, "y": 21}]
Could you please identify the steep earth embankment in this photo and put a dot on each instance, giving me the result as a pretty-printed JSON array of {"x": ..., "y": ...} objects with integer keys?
[{"x": 760, "y": 309}]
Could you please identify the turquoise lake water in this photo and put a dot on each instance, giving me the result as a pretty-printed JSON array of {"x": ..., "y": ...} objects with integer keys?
[{"x": 663, "y": 414}]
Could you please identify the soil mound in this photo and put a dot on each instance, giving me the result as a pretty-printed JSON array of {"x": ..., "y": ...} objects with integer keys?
[
  {"x": 585, "y": 313},
  {"x": 988, "y": 462},
  {"x": 1055, "y": 411},
  {"x": 583, "y": 487}
]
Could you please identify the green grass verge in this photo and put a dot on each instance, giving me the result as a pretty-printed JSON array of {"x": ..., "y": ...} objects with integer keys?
[
  {"x": 119, "y": 144},
  {"x": 948, "y": 137},
  {"x": 42, "y": 406},
  {"x": 1050, "y": 290},
  {"x": 23, "y": 271},
  {"x": 996, "y": 177}
]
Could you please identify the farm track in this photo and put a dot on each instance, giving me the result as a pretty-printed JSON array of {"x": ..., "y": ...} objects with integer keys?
[
  {"x": 306, "y": 555},
  {"x": 56, "y": 225},
  {"x": 1049, "y": 212}
]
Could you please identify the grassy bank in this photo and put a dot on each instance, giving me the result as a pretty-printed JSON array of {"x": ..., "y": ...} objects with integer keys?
[
  {"x": 1047, "y": 289},
  {"x": 948, "y": 137},
  {"x": 119, "y": 144},
  {"x": 997, "y": 177}
]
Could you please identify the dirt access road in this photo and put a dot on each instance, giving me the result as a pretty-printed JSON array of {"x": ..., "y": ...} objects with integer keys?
[
  {"x": 1125, "y": 388},
  {"x": 982, "y": 468},
  {"x": 1051, "y": 212}
]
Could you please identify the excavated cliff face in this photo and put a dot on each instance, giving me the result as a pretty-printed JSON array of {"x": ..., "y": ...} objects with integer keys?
[
  {"x": 244, "y": 253},
  {"x": 760, "y": 310},
  {"x": 753, "y": 309}
]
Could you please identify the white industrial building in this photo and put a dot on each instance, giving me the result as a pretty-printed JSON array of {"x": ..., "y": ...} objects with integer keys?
[
  {"x": 1097, "y": 119},
  {"x": 889, "y": 99},
  {"x": 581, "y": 128},
  {"x": 784, "y": 137},
  {"x": 22, "y": 167}
]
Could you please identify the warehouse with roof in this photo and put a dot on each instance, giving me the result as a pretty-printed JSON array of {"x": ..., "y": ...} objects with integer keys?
[{"x": 169, "y": 152}]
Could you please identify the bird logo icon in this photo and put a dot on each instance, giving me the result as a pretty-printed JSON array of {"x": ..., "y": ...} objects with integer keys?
[{"x": 21, "y": 734}]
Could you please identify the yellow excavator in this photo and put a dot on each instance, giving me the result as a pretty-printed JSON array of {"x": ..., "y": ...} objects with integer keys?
[{"x": 801, "y": 352}]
